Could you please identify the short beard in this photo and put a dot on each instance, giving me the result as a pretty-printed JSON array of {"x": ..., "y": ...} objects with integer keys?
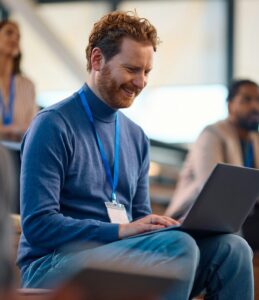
[
  {"x": 249, "y": 126},
  {"x": 109, "y": 90}
]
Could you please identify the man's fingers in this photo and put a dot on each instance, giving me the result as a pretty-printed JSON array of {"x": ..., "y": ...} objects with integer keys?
[
  {"x": 131, "y": 229},
  {"x": 148, "y": 223},
  {"x": 163, "y": 220},
  {"x": 151, "y": 227},
  {"x": 173, "y": 221}
]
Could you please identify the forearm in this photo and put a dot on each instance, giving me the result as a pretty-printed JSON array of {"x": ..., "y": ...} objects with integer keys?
[{"x": 53, "y": 230}]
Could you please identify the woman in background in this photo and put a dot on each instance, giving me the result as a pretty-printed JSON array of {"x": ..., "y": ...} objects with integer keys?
[{"x": 17, "y": 93}]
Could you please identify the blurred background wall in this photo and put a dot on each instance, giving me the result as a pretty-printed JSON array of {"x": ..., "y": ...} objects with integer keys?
[{"x": 205, "y": 43}]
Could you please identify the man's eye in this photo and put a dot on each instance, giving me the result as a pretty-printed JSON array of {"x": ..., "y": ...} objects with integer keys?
[
  {"x": 246, "y": 99},
  {"x": 131, "y": 70}
]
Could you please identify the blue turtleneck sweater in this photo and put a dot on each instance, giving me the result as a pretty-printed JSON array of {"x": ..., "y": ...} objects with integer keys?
[{"x": 63, "y": 180}]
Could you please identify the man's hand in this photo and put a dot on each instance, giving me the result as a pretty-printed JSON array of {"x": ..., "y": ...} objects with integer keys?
[
  {"x": 10, "y": 132},
  {"x": 146, "y": 224}
]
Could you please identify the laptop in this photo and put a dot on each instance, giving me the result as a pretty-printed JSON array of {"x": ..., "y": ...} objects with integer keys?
[{"x": 224, "y": 202}]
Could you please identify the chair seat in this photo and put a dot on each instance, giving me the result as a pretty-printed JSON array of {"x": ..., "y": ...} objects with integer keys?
[{"x": 33, "y": 294}]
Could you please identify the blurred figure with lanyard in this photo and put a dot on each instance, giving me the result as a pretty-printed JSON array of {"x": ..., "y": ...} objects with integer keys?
[{"x": 17, "y": 93}]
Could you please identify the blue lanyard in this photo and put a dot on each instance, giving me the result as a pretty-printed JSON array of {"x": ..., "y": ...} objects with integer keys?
[
  {"x": 249, "y": 156},
  {"x": 7, "y": 114},
  {"x": 112, "y": 180}
]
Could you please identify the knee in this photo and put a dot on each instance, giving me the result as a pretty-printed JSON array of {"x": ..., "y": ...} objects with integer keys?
[
  {"x": 237, "y": 249},
  {"x": 188, "y": 245},
  {"x": 241, "y": 247},
  {"x": 184, "y": 246}
]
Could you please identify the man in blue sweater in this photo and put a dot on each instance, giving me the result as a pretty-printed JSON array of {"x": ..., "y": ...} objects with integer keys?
[{"x": 84, "y": 178}]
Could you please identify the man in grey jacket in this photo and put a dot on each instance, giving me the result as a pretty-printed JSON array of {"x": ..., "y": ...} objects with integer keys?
[{"x": 234, "y": 140}]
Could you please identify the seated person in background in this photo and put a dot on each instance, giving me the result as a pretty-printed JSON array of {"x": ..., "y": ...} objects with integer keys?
[
  {"x": 234, "y": 140},
  {"x": 88, "y": 181},
  {"x": 17, "y": 94},
  {"x": 6, "y": 272}
]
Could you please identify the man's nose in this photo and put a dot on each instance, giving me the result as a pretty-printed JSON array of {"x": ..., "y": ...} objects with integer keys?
[
  {"x": 140, "y": 81},
  {"x": 15, "y": 39}
]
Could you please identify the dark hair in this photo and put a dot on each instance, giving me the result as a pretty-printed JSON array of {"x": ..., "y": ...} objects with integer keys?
[
  {"x": 234, "y": 87},
  {"x": 108, "y": 32},
  {"x": 17, "y": 59}
]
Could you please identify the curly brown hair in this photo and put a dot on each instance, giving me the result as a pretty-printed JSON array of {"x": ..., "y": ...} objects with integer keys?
[{"x": 108, "y": 32}]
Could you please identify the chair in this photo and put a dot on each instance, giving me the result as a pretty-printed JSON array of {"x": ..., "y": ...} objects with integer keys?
[{"x": 33, "y": 294}]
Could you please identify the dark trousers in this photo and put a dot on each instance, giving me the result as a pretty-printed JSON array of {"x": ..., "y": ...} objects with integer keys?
[{"x": 251, "y": 229}]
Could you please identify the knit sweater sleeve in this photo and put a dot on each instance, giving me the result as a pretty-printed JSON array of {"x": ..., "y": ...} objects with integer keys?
[{"x": 46, "y": 152}]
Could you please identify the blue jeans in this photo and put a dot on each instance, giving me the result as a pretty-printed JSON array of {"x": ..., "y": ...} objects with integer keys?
[{"x": 220, "y": 264}]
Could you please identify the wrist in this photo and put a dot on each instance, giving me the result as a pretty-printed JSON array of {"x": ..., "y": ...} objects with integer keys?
[{"x": 121, "y": 230}]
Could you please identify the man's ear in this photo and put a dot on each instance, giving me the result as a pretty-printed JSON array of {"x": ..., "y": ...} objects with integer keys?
[{"x": 97, "y": 59}]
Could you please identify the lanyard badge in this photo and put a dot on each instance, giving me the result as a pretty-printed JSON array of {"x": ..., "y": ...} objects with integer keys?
[{"x": 116, "y": 211}]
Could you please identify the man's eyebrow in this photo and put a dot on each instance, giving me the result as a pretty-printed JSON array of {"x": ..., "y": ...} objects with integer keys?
[
  {"x": 135, "y": 67},
  {"x": 131, "y": 66}
]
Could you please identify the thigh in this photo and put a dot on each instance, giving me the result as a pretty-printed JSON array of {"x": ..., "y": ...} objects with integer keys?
[{"x": 170, "y": 253}]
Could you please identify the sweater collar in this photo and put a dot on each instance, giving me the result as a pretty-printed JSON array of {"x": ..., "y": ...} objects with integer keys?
[{"x": 100, "y": 110}]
